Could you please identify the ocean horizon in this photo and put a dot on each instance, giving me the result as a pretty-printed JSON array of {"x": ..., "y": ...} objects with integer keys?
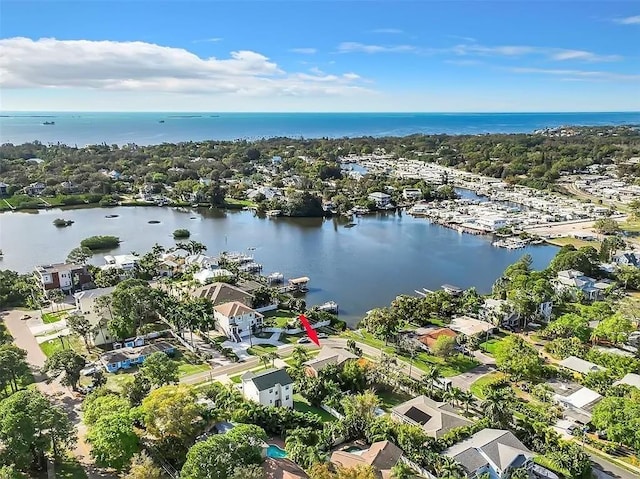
[{"x": 147, "y": 128}]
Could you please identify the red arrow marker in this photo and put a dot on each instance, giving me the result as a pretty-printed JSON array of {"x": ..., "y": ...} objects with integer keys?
[{"x": 313, "y": 336}]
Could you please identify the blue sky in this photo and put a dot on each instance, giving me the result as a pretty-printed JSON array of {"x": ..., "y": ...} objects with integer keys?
[{"x": 363, "y": 55}]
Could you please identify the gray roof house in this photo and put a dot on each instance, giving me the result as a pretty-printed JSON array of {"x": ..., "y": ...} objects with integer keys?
[
  {"x": 273, "y": 387},
  {"x": 630, "y": 379},
  {"x": 581, "y": 366},
  {"x": 573, "y": 280},
  {"x": 493, "y": 451},
  {"x": 435, "y": 418}
]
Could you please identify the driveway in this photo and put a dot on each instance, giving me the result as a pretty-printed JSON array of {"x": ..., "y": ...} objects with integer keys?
[
  {"x": 465, "y": 380},
  {"x": 60, "y": 395}
]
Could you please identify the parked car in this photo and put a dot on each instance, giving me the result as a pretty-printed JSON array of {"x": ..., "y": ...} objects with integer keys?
[
  {"x": 24, "y": 317},
  {"x": 323, "y": 335},
  {"x": 303, "y": 340},
  {"x": 89, "y": 371}
]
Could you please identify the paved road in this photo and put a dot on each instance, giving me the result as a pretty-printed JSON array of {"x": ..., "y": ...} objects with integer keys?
[
  {"x": 61, "y": 395},
  {"x": 604, "y": 469}
]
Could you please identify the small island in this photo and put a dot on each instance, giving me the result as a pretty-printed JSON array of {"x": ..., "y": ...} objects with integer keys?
[
  {"x": 62, "y": 223},
  {"x": 181, "y": 233},
  {"x": 96, "y": 243}
]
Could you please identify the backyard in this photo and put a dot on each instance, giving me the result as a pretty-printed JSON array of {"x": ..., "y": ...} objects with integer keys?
[
  {"x": 302, "y": 405},
  {"x": 390, "y": 399},
  {"x": 71, "y": 341},
  {"x": 49, "y": 318},
  {"x": 280, "y": 317}
]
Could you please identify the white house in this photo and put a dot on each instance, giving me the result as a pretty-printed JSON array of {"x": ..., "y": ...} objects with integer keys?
[
  {"x": 412, "y": 194},
  {"x": 201, "y": 260},
  {"x": 86, "y": 305},
  {"x": 492, "y": 451},
  {"x": 236, "y": 319},
  {"x": 573, "y": 281},
  {"x": 273, "y": 387},
  {"x": 126, "y": 262},
  {"x": 627, "y": 258},
  {"x": 381, "y": 200}
]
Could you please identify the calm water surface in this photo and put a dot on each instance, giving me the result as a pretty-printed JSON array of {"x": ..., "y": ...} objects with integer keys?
[{"x": 360, "y": 268}]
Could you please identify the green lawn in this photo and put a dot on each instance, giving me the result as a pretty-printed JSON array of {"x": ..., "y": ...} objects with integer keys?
[
  {"x": 390, "y": 399},
  {"x": 578, "y": 243},
  {"x": 70, "y": 468},
  {"x": 302, "y": 405},
  {"x": 233, "y": 203},
  {"x": 478, "y": 386},
  {"x": 260, "y": 349},
  {"x": 188, "y": 363},
  {"x": 49, "y": 318},
  {"x": 280, "y": 317},
  {"x": 490, "y": 346},
  {"x": 72, "y": 341},
  {"x": 186, "y": 369}
]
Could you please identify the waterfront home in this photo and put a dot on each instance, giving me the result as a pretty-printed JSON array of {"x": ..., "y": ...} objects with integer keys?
[
  {"x": 575, "y": 282},
  {"x": 429, "y": 339},
  {"x": 499, "y": 312},
  {"x": 236, "y": 320},
  {"x": 382, "y": 456},
  {"x": 273, "y": 387},
  {"x": 580, "y": 366},
  {"x": 328, "y": 356},
  {"x": 34, "y": 189},
  {"x": 434, "y": 418},
  {"x": 471, "y": 326},
  {"x": 126, "y": 262},
  {"x": 220, "y": 293},
  {"x": 4, "y": 188},
  {"x": 86, "y": 305},
  {"x": 67, "y": 277},
  {"x": 133, "y": 353},
  {"x": 382, "y": 200},
  {"x": 412, "y": 194},
  {"x": 492, "y": 451},
  {"x": 201, "y": 261}
]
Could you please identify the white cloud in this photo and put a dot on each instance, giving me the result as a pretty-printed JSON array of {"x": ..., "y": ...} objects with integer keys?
[
  {"x": 392, "y": 31},
  {"x": 355, "y": 47},
  {"x": 208, "y": 40},
  {"x": 505, "y": 50},
  {"x": 582, "y": 55},
  {"x": 635, "y": 20},
  {"x": 581, "y": 74},
  {"x": 140, "y": 66},
  {"x": 304, "y": 51}
]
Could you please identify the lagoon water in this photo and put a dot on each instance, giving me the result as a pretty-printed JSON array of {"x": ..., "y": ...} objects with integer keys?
[
  {"x": 82, "y": 128},
  {"x": 360, "y": 268}
]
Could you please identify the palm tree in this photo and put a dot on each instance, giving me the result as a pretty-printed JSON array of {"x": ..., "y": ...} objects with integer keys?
[
  {"x": 272, "y": 355},
  {"x": 519, "y": 473},
  {"x": 496, "y": 406},
  {"x": 401, "y": 471},
  {"x": 265, "y": 359},
  {"x": 300, "y": 354},
  {"x": 448, "y": 468},
  {"x": 431, "y": 376},
  {"x": 453, "y": 395},
  {"x": 467, "y": 399}
]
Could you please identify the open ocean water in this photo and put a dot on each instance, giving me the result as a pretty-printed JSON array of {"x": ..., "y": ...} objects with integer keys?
[{"x": 83, "y": 128}]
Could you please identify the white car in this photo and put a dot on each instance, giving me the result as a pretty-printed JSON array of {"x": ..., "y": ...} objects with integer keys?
[
  {"x": 303, "y": 340},
  {"x": 323, "y": 335}
]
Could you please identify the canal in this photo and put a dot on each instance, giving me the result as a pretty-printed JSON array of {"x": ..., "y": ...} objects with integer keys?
[{"x": 360, "y": 268}]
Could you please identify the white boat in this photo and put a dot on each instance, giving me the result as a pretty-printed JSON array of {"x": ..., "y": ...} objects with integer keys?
[
  {"x": 329, "y": 306},
  {"x": 275, "y": 277},
  {"x": 273, "y": 213}
]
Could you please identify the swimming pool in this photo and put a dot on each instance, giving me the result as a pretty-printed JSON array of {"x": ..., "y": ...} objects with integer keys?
[{"x": 275, "y": 451}]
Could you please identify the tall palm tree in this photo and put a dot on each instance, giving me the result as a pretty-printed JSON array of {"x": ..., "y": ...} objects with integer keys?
[
  {"x": 272, "y": 355},
  {"x": 496, "y": 406},
  {"x": 453, "y": 396},
  {"x": 431, "y": 377},
  {"x": 265, "y": 360},
  {"x": 300, "y": 354},
  {"x": 467, "y": 399}
]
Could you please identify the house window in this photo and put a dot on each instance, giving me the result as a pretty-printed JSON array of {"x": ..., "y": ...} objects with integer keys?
[
  {"x": 286, "y": 388},
  {"x": 271, "y": 401},
  {"x": 287, "y": 398}
]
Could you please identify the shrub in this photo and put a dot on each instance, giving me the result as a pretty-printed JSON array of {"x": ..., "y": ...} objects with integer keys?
[
  {"x": 60, "y": 223},
  {"x": 181, "y": 233},
  {"x": 100, "y": 242}
]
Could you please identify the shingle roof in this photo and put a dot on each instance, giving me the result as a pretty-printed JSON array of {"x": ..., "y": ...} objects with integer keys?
[
  {"x": 433, "y": 416},
  {"x": 580, "y": 365},
  {"x": 630, "y": 379},
  {"x": 269, "y": 378},
  {"x": 234, "y": 308},
  {"x": 220, "y": 293},
  {"x": 501, "y": 447}
]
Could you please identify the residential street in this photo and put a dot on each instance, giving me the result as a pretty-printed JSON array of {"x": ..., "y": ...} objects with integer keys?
[{"x": 60, "y": 394}]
